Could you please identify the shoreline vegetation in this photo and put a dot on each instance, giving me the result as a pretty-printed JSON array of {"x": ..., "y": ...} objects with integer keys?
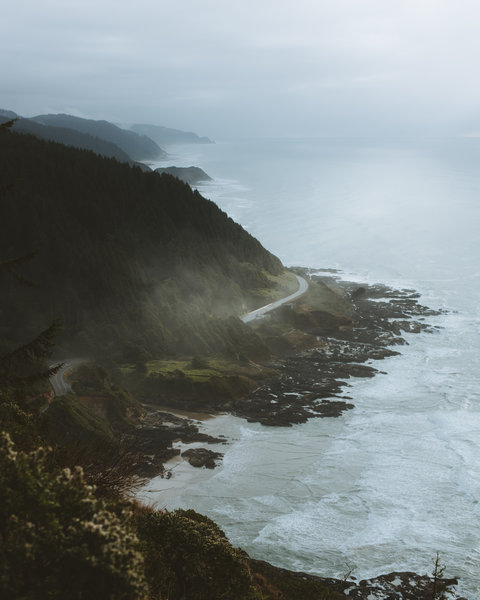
[{"x": 148, "y": 279}]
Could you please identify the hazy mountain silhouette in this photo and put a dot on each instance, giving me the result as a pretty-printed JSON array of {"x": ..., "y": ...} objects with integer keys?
[
  {"x": 164, "y": 136},
  {"x": 138, "y": 147}
]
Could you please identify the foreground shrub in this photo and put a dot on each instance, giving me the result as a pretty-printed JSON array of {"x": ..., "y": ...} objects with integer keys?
[
  {"x": 188, "y": 557},
  {"x": 57, "y": 540}
]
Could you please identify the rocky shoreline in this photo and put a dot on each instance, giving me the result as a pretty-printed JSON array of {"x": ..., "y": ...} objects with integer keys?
[
  {"x": 393, "y": 586},
  {"x": 332, "y": 343},
  {"x": 313, "y": 382},
  {"x": 153, "y": 441}
]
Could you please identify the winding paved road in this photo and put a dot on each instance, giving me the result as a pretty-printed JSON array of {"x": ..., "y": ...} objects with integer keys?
[
  {"x": 259, "y": 312},
  {"x": 61, "y": 387},
  {"x": 57, "y": 381}
]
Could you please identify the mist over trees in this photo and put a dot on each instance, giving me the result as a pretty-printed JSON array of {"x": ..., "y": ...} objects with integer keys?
[{"x": 135, "y": 264}]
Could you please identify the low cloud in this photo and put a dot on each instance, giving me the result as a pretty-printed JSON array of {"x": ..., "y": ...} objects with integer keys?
[{"x": 250, "y": 68}]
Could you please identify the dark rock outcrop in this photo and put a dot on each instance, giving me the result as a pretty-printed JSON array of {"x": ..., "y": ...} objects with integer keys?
[
  {"x": 394, "y": 586},
  {"x": 201, "y": 457}
]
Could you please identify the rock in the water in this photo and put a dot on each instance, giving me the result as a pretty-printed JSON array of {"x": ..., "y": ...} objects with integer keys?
[{"x": 201, "y": 457}]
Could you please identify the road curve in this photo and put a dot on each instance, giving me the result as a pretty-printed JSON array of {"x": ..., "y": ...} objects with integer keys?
[
  {"x": 259, "y": 312},
  {"x": 61, "y": 387},
  {"x": 57, "y": 381}
]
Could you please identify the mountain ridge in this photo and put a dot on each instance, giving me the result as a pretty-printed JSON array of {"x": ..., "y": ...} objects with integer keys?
[
  {"x": 165, "y": 136},
  {"x": 138, "y": 147},
  {"x": 69, "y": 137}
]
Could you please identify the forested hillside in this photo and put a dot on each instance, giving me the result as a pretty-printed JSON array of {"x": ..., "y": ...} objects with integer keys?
[
  {"x": 135, "y": 264},
  {"x": 70, "y": 137},
  {"x": 137, "y": 146}
]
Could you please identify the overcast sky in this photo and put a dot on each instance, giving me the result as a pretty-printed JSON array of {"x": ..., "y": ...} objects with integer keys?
[{"x": 249, "y": 67}]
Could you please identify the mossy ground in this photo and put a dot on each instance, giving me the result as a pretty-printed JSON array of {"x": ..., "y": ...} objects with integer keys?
[
  {"x": 195, "y": 383},
  {"x": 213, "y": 367}
]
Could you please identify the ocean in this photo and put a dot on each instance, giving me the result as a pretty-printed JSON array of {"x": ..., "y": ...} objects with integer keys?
[{"x": 396, "y": 479}]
